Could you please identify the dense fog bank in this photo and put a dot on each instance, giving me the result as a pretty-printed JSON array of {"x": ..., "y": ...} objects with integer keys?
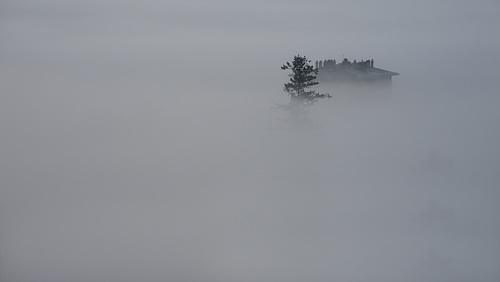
[
  {"x": 219, "y": 186},
  {"x": 141, "y": 146}
]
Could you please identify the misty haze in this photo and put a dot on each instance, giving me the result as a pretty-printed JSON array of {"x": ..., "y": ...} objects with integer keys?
[{"x": 141, "y": 142}]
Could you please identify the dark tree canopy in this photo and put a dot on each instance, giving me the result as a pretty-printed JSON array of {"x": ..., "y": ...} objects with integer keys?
[{"x": 302, "y": 78}]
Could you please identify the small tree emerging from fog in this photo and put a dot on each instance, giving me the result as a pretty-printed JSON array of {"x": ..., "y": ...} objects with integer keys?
[{"x": 302, "y": 78}]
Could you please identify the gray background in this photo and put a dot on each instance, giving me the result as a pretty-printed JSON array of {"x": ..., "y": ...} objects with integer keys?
[{"x": 138, "y": 143}]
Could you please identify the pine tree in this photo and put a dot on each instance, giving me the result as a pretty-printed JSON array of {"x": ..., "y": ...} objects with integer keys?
[{"x": 302, "y": 78}]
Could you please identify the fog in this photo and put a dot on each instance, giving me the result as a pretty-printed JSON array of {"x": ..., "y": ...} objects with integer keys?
[{"x": 139, "y": 142}]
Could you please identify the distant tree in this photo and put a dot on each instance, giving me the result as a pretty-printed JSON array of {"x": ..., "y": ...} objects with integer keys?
[{"x": 302, "y": 78}]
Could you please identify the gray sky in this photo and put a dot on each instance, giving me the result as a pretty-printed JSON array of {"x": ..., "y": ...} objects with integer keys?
[{"x": 138, "y": 143}]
